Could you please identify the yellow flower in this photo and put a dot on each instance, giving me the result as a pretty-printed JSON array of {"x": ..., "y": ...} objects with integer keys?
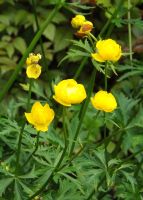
[
  {"x": 69, "y": 92},
  {"x": 104, "y": 101},
  {"x": 40, "y": 116},
  {"x": 107, "y": 50},
  {"x": 77, "y": 21},
  {"x": 33, "y": 71},
  {"x": 33, "y": 59},
  {"x": 85, "y": 29}
]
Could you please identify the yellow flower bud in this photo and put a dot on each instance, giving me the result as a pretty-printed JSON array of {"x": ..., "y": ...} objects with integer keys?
[
  {"x": 107, "y": 50},
  {"x": 33, "y": 71},
  {"x": 69, "y": 92},
  {"x": 85, "y": 28},
  {"x": 33, "y": 59},
  {"x": 40, "y": 116},
  {"x": 77, "y": 21},
  {"x": 104, "y": 101}
]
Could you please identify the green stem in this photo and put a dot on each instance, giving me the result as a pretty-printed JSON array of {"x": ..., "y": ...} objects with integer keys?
[
  {"x": 84, "y": 109},
  {"x": 36, "y": 148},
  {"x": 92, "y": 36},
  {"x": 130, "y": 31},
  {"x": 65, "y": 140},
  {"x": 41, "y": 42},
  {"x": 78, "y": 72},
  {"x": 105, "y": 80},
  {"x": 29, "y": 49},
  {"x": 105, "y": 87},
  {"x": 29, "y": 94},
  {"x": 59, "y": 162},
  {"x": 23, "y": 125},
  {"x": 109, "y": 22},
  {"x": 105, "y": 128},
  {"x": 81, "y": 149}
]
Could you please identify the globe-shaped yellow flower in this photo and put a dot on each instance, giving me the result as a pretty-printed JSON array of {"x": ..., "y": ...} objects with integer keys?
[
  {"x": 107, "y": 50},
  {"x": 68, "y": 92},
  {"x": 77, "y": 21},
  {"x": 33, "y": 71},
  {"x": 104, "y": 101},
  {"x": 40, "y": 116}
]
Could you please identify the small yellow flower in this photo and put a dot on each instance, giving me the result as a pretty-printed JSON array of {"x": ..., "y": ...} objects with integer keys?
[
  {"x": 104, "y": 101},
  {"x": 107, "y": 50},
  {"x": 69, "y": 92},
  {"x": 77, "y": 21},
  {"x": 40, "y": 116},
  {"x": 33, "y": 71},
  {"x": 33, "y": 59},
  {"x": 86, "y": 28}
]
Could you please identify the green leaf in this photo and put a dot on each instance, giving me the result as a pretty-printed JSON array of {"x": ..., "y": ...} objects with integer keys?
[
  {"x": 62, "y": 39},
  {"x": 17, "y": 191},
  {"x": 49, "y": 32},
  {"x": 4, "y": 183},
  {"x": 20, "y": 44}
]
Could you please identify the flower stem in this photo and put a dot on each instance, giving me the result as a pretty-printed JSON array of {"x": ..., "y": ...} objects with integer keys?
[
  {"x": 92, "y": 36},
  {"x": 130, "y": 31},
  {"x": 59, "y": 162},
  {"x": 65, "y": 140},
  {"x": 22, "y": 127},
  {"x": 105, "y": 87},
  {"x": 29, "y": 49},
  {"x": 78, "y": 72},
  {"x": 82, "y": 148},
  {"x": 109, "y": 21},
  {"x": 36, "y": 148},
  {"x": 41, "y": 42},
  {"x": 84, "y": 109}
]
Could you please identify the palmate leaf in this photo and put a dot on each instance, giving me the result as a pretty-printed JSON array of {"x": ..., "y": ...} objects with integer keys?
[
  {"x": 4, "y": 183},
  {"x": 125, "y": 111},
  {"x": 68, "y": 191},
  {"x": 29, "y": 175},
  {"x": 25, "y": 188},
  {"x": 73, "y": 180},
  {"x": 83, "y": 45},
  {"x": 18, "y": 194},
  {"x": 84, "y": 49}
]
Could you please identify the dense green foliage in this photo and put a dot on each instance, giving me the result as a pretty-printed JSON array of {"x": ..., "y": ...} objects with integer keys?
[{"x": 107, "y": 160}]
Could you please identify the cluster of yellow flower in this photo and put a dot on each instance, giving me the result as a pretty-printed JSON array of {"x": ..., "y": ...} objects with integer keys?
[
  {"x": 106, "y": 50},
  {"x": 68, "y": 92},
  {"x": 84, "y": 26},
  {"x": 33, "y": 68}
]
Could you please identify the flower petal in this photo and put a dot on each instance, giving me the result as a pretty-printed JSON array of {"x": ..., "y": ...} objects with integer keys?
[
  {"x": 29, "y": 118},
  {"x": 97, "y": 57}
]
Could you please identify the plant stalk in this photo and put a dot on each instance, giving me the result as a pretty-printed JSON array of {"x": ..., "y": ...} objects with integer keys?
[
  {"x": 29, "y": 49},
  {"x": 23, "y": 125},
  {"x": 84, "y": 109},
  {"x": 36, "y": 148},
  {"x": 59, "y": 162}
]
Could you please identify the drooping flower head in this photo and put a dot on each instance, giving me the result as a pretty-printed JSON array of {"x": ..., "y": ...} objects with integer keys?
[
  {"x": 40, "y": 116},
  {"x": 107, "y": 50},
  {"x": 68, "y": 92},
  {"x": 77, "y": 21},
  {"x": 85, "y": 29},
  {"x": 33, "y": 68},
  {"x": 104, "y": 101}
]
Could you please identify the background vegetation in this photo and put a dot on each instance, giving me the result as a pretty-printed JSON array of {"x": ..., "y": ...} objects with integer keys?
[{"x": 91, "y": 172}]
